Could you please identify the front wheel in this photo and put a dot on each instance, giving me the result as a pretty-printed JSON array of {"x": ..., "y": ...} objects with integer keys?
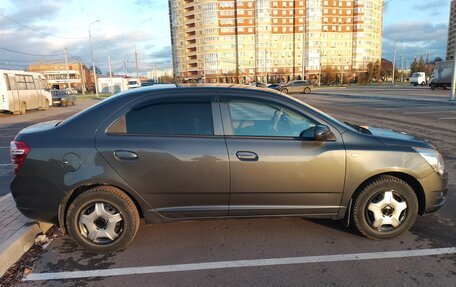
[
  {"x": 385, "y": 208},
  {"x": 102, "y": 219},
  {"x": 285, "y": 91},
  {"x": 433, "y": 87},
  {"x": 307, "y": 90}
]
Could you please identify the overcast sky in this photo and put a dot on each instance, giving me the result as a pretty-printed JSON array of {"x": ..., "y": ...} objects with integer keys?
[{"x": 415, "y": 26}]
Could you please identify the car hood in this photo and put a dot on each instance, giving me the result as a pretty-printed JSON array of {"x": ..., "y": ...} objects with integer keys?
[{"x": 391, "y": 137}]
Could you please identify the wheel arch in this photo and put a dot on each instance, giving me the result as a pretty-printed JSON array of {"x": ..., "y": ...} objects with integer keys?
[
  {"x": 68, "y": 199},
  {"x": 410, "y": 180}
]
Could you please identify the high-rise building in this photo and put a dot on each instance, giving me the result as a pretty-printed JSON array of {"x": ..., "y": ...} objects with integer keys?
[
  {"x": 451, "y": 32},
  {"x": 252, "y": 40}
]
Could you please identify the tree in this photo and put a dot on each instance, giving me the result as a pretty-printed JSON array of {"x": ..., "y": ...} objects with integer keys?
[
  {"x": 414, "y": 67},
  {"x": 165, "y": 79},
  {"x": 421, "y": 65},
  {"x": 437, "y": 59},
  {"x": 97, "y": 70}
]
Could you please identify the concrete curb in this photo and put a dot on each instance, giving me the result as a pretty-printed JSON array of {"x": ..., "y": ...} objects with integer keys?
[{"x": 16, "y": 246}]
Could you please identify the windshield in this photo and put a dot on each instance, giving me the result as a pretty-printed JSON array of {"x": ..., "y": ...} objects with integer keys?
[{"x": 132, "y": 82}]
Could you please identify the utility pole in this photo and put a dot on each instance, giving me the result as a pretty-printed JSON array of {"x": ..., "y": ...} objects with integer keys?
[
  {"x": 111, "y": 90},
  {"x": 394, "y": 62},
  {"x": 402, "y": 68},
  {"x": 82, "y": 75},
  {"x": 67, "y": 69},
  {"x": 136, "y": 60},
  {"x": 453, "y": 82},
  {"x": 93, "y": 61}
]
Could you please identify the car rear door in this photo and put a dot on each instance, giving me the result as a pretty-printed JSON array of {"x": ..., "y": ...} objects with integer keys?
[
  {"x": 273, "y": 172},
  {"x": 172, "y": 151}
]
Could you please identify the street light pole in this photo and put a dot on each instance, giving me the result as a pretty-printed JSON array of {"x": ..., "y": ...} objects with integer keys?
[{"x": 93, "y": 61}]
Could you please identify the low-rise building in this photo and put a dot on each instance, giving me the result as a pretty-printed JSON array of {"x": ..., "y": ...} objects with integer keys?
[{"x": 77, "y": 76}]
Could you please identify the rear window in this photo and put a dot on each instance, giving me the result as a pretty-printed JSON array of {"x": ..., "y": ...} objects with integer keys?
[{"x": 171, "y": 119}]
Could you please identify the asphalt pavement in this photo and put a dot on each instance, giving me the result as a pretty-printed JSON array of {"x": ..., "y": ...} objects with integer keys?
[{"x": 282, "y": 252}]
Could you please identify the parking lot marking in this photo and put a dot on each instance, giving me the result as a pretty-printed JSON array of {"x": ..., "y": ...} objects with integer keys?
[{"x": 237, "y": 264}]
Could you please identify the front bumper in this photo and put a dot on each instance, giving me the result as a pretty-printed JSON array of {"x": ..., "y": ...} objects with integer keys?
[{"x": 435, "y": 189}]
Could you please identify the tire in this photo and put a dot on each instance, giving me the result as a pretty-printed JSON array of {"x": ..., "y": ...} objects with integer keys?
[
  {"x": 23, "y": 109},
  {"x": 46, "y": 105},
  {"x": 385, "y": 208},
  {"x": 433, "y": 87},
  {"x": 112, "y": 204},
  {"x": 285, "y": 91},
  {"x": 307, "y": 90},
  {"x": 423, "y": 84}
]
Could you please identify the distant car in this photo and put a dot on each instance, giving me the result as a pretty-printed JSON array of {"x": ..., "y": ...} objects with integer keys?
[
  {"x": 273, "y": 86},
  {"x": 184, "y": 153},
  {"x": 297, "y": 86},
  {"x": 147, "y": 83},
  {"x": 134, "y": 83},
  {"x": 418, "y": 78},
  {"x": 259, "y": 85},
  {"x": 63, "y": 97}
]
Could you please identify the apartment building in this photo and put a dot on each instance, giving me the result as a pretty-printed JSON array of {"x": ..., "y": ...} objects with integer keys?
[
  {"x": 252, "y": 40},
  {"x": 451, "y": 32}
]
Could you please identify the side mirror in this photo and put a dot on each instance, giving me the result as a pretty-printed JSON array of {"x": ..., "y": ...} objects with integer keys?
[{"x": 323, "y": 133}]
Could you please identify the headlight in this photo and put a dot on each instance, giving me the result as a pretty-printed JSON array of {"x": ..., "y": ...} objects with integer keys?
[{"x": 433, "y": 157}]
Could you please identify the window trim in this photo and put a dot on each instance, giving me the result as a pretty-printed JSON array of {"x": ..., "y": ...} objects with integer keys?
[{"x": 228, "y": 127}]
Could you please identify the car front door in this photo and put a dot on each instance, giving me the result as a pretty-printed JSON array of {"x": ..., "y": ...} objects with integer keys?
[
  {"x": 276, "y": 166},
  {"x": 172, "y": 151}
]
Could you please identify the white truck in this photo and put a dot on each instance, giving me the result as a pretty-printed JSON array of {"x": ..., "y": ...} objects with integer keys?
[
  {"x": 418, "y": 78},
  {"x": 441, "y": 77}
]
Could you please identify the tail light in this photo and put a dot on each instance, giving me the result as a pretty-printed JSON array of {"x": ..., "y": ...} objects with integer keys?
[{"x": 19, "y": 151}]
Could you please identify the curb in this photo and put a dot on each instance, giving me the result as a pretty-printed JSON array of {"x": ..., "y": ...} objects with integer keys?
[{"x": 18, "y": 244}]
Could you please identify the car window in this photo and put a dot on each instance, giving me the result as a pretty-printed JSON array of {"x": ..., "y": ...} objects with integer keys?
[
  {"x": 251, "y": 118},
  {"x": 171, "y": 119}
]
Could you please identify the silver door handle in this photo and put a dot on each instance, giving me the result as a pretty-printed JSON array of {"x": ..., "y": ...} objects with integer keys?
[{"x": 247, "y": 156}]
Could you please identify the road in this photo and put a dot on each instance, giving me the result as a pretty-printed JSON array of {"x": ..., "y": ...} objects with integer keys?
[{"x": 273, "y": 244}]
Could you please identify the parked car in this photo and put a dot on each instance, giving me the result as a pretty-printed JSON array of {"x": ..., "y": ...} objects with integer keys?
[
  {"x": 297, "y": 86},
  {"x": 259, "y": 85},
  {"x": 273, "y": 86},
  {"x": 63, "y": 97},
  {"x": 418, "y": 78},
  {"x": 188, "y": 153}
]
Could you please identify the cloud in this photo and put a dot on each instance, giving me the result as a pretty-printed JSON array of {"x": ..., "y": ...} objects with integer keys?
[
  {"x": 414, "y": 39},
  {"x": 415, "y": 32}
]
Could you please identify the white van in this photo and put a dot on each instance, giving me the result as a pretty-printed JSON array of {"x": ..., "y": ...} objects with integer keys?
[
  {"x": 134, "y": 83},
  {"x": 418, "y": 78},
  {"x": 21, "y": 91}
]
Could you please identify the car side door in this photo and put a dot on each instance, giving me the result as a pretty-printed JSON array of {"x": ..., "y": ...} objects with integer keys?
[
  {"x": 171, "y": 150},
  {"x": 277, "y": 168}
]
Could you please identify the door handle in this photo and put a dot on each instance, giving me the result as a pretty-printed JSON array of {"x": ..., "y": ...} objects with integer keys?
[
  {"x": 125, "y": 155},
  {"x": 247, "y": 156}
]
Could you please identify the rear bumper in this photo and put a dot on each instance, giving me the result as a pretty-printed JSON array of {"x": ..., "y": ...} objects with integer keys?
[
  {"x": 435, "y": 190},
  {"x": 37, "y": 198}
]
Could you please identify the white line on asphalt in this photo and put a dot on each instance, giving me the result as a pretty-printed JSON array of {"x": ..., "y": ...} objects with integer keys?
[
  {"x": 5, "y": 164},
  {"x": 448, "y": 118},
  {"x": 4, "y": 147},
  {"x": 237, "y": 264}
]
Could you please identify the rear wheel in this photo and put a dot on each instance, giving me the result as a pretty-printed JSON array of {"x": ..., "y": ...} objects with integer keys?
[
  {"x": 102, "y": 219},
  {"x": 23, "y": 108},
  {"x": 385, "y": 208},
  {"x": 433, "y": 87},
  {"x": 46, "y": 105}
]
